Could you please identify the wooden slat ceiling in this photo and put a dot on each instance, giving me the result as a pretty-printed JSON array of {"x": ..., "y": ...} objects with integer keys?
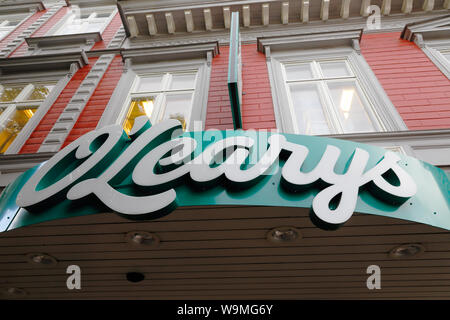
[{"x": 223, "y": 253}]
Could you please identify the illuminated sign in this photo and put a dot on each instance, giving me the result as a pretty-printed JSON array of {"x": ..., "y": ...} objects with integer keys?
[{"x": 157, "y": 168}]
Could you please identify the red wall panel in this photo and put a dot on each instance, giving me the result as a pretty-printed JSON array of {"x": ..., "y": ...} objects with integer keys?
[
  {"x": 416, "y": 87},
  {"x": 93, "y": 110},
  {"x": 218, "y": 114},
  {"x": 257, "y": 111},
  {"x": 108, "y": 33},
  {"x": 257, "y": 107}
]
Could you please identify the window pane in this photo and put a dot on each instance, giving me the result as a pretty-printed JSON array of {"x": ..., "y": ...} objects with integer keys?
[
  {"x": 12, "y": 127},
  {"x": 334, "y": 69},
  {"x": 178, "y": 107},
  {"x": 10, "y": 93},
  {"x": 350, "y": 109},
  {"x": 298, "y": 71},
  {"x": 150, "y": 83},
  {"x": 138, "y": 107},
  {"x": 183, "y": 81},
  {"x": 40, "y": 92},
  {"x": 308, "y": 109}
]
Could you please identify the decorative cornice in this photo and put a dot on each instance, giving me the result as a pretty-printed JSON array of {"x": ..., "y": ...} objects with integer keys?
[
  {"x": 42, "y": 62},
  {"x": 188, "y": 51},
  {"x": 11, "y": 7},
  {"x": 153, "y": 18},
  {"x": 64, "y": 40},
  {"x": 310, "y": 40},
  {"x": 430, "y": 29},
  {"x": 390, "y": 23}
]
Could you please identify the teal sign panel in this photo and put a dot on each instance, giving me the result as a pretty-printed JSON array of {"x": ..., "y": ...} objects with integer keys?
[
  {"x": 234, "y": 71},
  {"x": 154, "y": 169}
]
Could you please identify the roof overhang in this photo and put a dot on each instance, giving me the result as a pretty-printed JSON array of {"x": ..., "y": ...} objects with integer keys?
[
  {"x": 14, "y": 7},
  {"x": 162, "y": 17},
  {"x": 42, "y": 62},
  {"x": 205, "y": 50},
  {"x": 310, "y": 40},
  {"x": 64, "y": 40},
  {"x": 430, "y": 29}
]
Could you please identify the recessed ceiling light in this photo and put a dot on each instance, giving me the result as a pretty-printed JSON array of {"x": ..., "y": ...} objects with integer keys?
[
  {"x": 284, "y": 235},
  {"x": 135, "y": 276},
  {"x": 15, "y": 292},
  {"x": 406, "y": 251},
  {"x": 41, "y": 259},
  {"x": 142, "y": 238}
]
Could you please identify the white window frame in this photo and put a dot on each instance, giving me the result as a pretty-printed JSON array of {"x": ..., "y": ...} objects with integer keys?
[
  {"x": 119, "y": 104},
  {"x": 91, "y": 11},
  {"x": 321, "y": 82},
  {"x": 160, "y": 95},
  {"x": 373, "y": 96}
]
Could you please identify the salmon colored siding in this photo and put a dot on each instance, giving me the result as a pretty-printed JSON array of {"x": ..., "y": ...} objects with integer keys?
[
  {"x": 108, "y": 33},
  {"x": 16, "y": 32},
  {"x": 416, "y": 87},
  {"x": 218, "y": 114},
  {"x": 37, "y": 137},
  {"x": 93, "y": 110},
  {"x": 257, "y": 108},
  {"x": 23, "y": 48}
]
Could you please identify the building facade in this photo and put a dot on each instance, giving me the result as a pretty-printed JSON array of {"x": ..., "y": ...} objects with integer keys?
[{"x": 375, "y": 72}]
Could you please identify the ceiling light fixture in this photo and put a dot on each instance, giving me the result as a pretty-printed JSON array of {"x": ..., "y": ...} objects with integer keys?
[
  {"x": 41, "y": 259},
  {"x": 406, "y": 251},
  {"x": 284, "y": 235},
  {"x": 15, "y": 292},
  {"x": 142, "y": 238}
]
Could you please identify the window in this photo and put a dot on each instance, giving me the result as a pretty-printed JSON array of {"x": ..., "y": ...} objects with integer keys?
[
  {"x": 163, "y": 82},
  {"x": 18, "y": 103},
  {"x": 162, "y": 96},
  {"x": 439, "y": 53},
  {"x": 85, "y": 20},
  {"x": 325, "y": 98}
]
